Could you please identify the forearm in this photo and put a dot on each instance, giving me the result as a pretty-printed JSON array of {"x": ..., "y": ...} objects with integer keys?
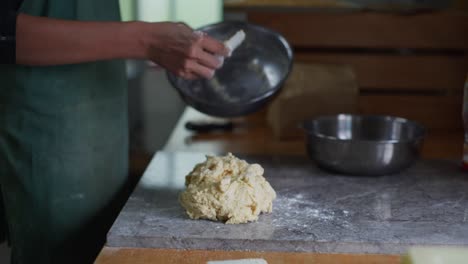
[
  {"x": 46, "y": 41},
  {"x": 174, "y": 46}
]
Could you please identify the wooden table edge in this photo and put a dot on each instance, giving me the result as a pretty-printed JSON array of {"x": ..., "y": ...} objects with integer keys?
[{"x": 117, "y": 255}]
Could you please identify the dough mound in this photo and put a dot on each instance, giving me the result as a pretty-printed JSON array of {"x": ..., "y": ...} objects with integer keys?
[{"x": 227, "y": 189}]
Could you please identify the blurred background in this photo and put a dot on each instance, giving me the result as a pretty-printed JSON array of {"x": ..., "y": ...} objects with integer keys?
[
  {"x": 154, "y": 106},
  {"x": 318, "y": 30},
  {"x": 406, "y": 58}
]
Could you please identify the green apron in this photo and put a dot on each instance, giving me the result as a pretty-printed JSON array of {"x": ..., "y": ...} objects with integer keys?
[{"x": 63, "y": 147}]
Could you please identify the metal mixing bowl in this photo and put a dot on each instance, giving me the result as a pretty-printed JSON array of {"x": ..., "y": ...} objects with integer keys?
[
  {"x": 248, "y": 79},
  {"x": 363, "y": 145}
]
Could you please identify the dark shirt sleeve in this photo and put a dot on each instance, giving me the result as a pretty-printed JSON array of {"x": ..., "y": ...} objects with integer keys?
[{"x": 8, "y": 14}]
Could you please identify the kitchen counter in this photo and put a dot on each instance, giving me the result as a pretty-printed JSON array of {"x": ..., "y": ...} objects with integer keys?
[
  {"x": 315, "y": 212},
  {"x": 252, "y": 135},
  {"x": 372, "y": 219}
]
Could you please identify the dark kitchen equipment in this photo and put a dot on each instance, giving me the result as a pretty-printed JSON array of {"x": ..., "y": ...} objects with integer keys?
[
  {"x": 248, "y": 79},
  {"x": 363, "y": 145}
]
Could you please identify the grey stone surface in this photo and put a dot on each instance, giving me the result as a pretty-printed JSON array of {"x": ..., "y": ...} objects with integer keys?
[{"x": 315, "y": 211}]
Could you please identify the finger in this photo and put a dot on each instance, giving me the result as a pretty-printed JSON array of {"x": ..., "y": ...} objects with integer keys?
[
  {"x": 185, "y": 74},
  {"x": 200, "y": 33},
  {"x": 209, "y": 60},
  {"x": 189, "y": 76},
  {"x": 199, "y": 69},
  {"x": 214, "y": 46}
]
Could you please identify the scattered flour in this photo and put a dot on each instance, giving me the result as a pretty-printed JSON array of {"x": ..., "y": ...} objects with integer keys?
[{"x": 299, "y": 212}]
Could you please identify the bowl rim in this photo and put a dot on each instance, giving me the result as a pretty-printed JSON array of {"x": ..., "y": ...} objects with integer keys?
[
  {"x": 172, "y": 77},
  {"x": 419, "y": 135}
]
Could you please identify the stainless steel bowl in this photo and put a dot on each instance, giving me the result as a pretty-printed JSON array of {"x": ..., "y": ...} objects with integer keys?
[
  {"x": 248, "y": 79},
  {"x": 363, "y": 145}
]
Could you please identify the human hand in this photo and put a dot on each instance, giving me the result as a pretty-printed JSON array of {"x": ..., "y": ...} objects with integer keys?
[{"x": 180, "y": 50}]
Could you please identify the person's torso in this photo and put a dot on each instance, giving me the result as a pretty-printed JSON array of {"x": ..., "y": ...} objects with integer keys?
[{"x": 52, "y": 88}]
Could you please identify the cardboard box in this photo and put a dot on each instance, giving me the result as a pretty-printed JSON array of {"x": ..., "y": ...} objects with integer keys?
[{"x": 312, "y": 90}]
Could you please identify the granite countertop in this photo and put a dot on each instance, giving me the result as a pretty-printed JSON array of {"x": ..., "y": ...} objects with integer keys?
[{"x": 315, "y": 211}]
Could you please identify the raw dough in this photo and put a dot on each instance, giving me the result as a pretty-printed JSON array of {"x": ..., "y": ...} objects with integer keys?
[{"x": 227, "y": 189}]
